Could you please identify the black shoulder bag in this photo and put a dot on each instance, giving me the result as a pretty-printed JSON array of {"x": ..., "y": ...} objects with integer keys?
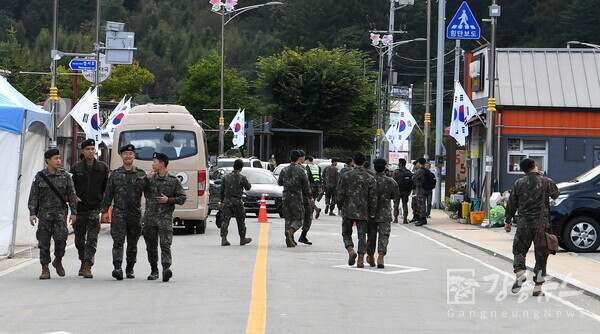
[{"x": 53, "y": 188}]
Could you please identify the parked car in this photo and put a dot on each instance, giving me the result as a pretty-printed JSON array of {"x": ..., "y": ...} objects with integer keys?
[
  {"x": 262, "y": 181},
  {"x": 253, "y": 162},
  {"x": 267, "y": 165},
  {"x": 339, "y": 166},
  {"x": 575, "y": 214}
]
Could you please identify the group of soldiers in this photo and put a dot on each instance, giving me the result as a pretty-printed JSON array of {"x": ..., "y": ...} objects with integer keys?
[{"x": 89, "y": 192}]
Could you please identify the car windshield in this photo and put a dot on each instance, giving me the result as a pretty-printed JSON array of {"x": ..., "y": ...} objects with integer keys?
[
  {"x": 590, "y": 174},
  {"x": 257, "y": 176},
  {"x": 229, "y": 163},
  {"x": 175, "y": 144}
]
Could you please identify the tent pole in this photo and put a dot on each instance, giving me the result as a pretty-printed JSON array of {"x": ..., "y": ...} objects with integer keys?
[{"x": 11, "y": 248}]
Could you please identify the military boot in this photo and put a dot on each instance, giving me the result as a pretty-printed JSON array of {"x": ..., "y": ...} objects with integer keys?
[
  {"x": 244, "y": 240},
  {"x": 224, "y": 241},
  {"x": 45, "y": 272},
  {"x": 351, "y": 256},
  {"x": 153, "y": 272},
  {"x": 414, "y": 219},
  {"x": 81, "y": 268},
  {"x": 421, "y": 222},
  {"x": 395, "y": 220},
  {"x": 57, "y": 263},
  {"x": 537, "y": 290},
  {"x": 303, "y": 238},
  {"x": 87, "y": 270},
  {"x": 317, "y": 213},
  {"x": 520, "y": 278},
  {"x": 361, "y": 261},
  {"x": 167, "y": 273},
  {"x": 289, "y": 237},
  {"x": 405, "y": 220},
  {"x": 129, "y": 270},
  {"x": 326, "y": 208},
  {"x": 371, "y": 260},
  {"x": 380, "y": 260},
  {"x": 118, "y": 271}
]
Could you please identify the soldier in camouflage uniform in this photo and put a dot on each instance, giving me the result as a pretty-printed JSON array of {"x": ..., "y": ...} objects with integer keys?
[
  {"x": 398, "y": 176},
  {"x": 420, "y": 208},
  {"x": 331, "y": 176},
  {"x": 348, "y": 167},
  {"x": 294, "y": 180},
  {"x": 124, "y": 189},
  {"x": 357, "y": 201},
  {"x": 89, "y": 177},
  {"x": 231, "y": 204},
  {"x": 51, "y": 211},
  {"x": 380, "y": 226},
  {"x": 308, "y": 207},
  {"x": 529, "y": 196},
  {"x": 162, "y": 191}
]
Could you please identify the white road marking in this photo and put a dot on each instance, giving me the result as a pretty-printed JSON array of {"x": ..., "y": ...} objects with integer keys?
[
  {"x": 17, "y": 267},
  {"x": 500, "y": 271},
  {"x": 404, "y": 270}
]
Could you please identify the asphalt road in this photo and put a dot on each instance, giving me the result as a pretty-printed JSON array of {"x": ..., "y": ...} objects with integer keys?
[{"x": 431, "y": 284}]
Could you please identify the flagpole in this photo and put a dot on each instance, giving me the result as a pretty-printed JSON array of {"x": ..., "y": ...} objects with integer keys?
[{"x": 71, "y": 111}]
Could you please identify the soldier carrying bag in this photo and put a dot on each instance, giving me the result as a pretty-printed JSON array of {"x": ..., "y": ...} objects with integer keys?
[
  {"x": 545, "y": 242},
  {"x": 52, "y": 187}
]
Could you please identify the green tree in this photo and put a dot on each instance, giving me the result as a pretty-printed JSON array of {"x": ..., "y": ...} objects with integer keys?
[
  {"x": 321, "y": 89},
  {"x": 125, "y": 80},
  {"x": 202, "y": 91}
]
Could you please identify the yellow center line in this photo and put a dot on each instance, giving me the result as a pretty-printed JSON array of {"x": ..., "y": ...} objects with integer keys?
[{"x": 257, "y": 318}]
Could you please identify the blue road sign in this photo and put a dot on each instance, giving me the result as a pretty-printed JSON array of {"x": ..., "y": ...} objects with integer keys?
[
  {"x": 82, "y": 64},
  {"x": 463, "y": 24}
]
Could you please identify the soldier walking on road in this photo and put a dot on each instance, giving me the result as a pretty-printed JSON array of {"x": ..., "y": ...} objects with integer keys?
[
  {"x": 529, "y": 196},
  {"x": 124, "y": 193},
  {"x": 295, "y": 186},
  {"x": 51, "y": 190},
  {"x": 403, "y": 178},
  {"x": 89, "y": 177},
  {"x": 231, "y": 204},
  {"x": 419, "y": 180},
  {"x": 357, "y": 201},
  {"x": 162, "y": 191},
  {"x": 331, "y": 177},
  {"x": 380, "y": 226},
  {"x": 348, "y": 167},
  {"x": 316, "y": 186}
]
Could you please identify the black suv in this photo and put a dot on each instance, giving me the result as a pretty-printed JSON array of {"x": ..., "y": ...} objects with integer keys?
[{"x": 575, "y": 214}]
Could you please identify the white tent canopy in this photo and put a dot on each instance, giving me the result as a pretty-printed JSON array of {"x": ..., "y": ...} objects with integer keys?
[{"x": 24, "y": 128}]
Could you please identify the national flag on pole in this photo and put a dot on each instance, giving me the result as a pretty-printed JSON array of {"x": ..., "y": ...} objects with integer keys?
[
  {"x": 116, "y": 116},
  {"x": 462, "y": 111},
  {"x": 402, "y": 128},
  {"x": 237, "y": 126},
  {"x": 87, "y": 114}
]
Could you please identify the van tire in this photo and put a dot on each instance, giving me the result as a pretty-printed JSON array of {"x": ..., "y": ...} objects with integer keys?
[
  {"x": 189, "y": 226},
  {"x": 201, "y": 226}
]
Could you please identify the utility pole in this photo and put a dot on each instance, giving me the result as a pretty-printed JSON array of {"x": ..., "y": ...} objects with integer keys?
[
  {"x": 97, "y": 76},
  {"x": 439, "y": 104},
  {"x": 427, "y": 120},
  {"x": 491, "y": 110},
  {"x": 53, "y": 90}
]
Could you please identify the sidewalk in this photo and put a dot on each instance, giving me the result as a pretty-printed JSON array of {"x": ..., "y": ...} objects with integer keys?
[{"x": 577, "y": 271}]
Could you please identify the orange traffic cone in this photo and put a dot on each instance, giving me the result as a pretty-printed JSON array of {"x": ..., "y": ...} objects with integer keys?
[{"x": 262, "y": 212}]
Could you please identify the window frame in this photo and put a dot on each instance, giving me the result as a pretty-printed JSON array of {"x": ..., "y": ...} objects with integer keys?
[{"x": 526, "y": 154}]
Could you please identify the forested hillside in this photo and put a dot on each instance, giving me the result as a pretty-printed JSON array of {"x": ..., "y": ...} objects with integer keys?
[{"x": 173, "y": 35}]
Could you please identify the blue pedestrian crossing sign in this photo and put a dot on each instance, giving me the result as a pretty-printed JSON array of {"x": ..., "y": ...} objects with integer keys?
[{"x": 463, "y": 24}]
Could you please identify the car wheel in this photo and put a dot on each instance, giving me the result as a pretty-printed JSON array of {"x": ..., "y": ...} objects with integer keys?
[
  {"x": 201, "y": 227},
  {"x": 581, "y": 234},
  {"x": 189, "y": 226}
]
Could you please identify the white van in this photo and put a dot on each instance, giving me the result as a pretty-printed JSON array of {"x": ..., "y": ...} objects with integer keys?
[{"x": 172, "y": 130}]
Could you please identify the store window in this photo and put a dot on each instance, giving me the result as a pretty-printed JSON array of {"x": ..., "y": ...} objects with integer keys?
[{"x": 519, "y": 149}]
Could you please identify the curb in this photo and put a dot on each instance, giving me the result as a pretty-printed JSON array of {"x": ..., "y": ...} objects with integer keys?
[{"x": 569, "y": 281}]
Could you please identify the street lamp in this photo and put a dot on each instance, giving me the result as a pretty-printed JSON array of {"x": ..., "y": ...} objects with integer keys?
[
  {"x": 569, "y": 43},
  {"x": 380, "y": 43},
  {"x": 227, "y": 8}
]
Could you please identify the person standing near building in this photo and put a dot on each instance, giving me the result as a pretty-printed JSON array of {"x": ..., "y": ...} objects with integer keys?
[
  {"x": 162, "y": 191},
  {"x": 295, "y": 185},
  {"x": 231, "y": 204},
  {"x": 273, "y": 161},
  {"x": 380, "y": 226},
  {"x": 357, "y": 201},
  {"x": 331, "y": 176},
  {"x": 124, "y": 193},
  {"x": 51, "y": 190},
  {"x": 430, "y": 195},
  {"x": 419, "y": 179},
  {"x": 89, "y": 177},
  {"x": 403, "y": 178},
  {"x": 529, "y": 196},
  {"x": 316, "y": 186}
]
